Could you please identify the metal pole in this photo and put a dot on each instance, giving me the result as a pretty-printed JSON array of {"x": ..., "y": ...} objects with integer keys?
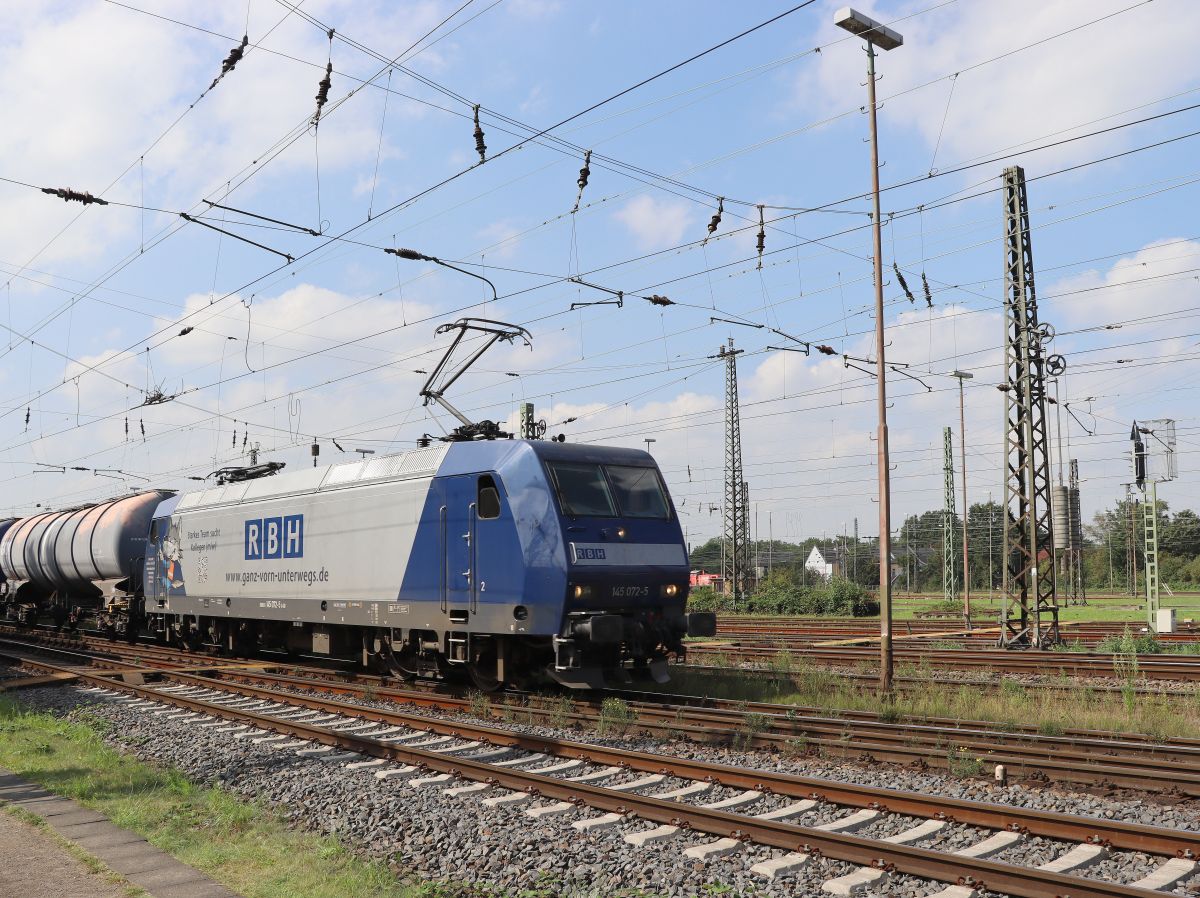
[
  {"x": 962, "y": 435},
  {"x": 885, "y": 488}
]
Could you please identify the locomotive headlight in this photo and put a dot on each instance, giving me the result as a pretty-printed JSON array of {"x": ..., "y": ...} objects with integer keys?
[
  {"x": 670, "y": 591},
  {"x": 620, "y": 533},
  {"x": 581, "y": 592}
]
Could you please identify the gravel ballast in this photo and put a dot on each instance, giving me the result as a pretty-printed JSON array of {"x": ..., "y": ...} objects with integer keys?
[{"x": 432, "y": 836}]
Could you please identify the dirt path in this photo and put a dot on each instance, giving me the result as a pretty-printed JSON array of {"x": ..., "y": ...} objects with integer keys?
[{"x": 34, "y": 865}]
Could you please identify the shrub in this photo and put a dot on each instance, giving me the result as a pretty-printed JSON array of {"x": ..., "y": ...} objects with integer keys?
[
  {"x": 1129, "y": 644},
  {"x": 616, "y": 717},
  {"x": 705, "y": 598},
  {"x": 837, "y": 597}
]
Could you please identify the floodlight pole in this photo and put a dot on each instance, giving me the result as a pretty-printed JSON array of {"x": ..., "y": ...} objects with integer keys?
[{"x": 874, "y": 33}]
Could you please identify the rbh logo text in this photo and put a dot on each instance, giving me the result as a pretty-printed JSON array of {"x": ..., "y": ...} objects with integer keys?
[{"x": 281, "y": 537}]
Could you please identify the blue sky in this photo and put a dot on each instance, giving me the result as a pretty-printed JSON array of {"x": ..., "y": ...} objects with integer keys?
[{"x": 328, "y": 347}]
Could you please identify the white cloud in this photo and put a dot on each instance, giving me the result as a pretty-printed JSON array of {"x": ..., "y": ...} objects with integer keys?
[
  {"x": 655, "y": 223},
  {"x": 1159, "y": 277},
  {"x": 1065, "y": 82}
]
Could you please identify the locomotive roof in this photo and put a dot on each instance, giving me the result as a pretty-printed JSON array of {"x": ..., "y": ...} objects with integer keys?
[{"x": 414, "y": 464}]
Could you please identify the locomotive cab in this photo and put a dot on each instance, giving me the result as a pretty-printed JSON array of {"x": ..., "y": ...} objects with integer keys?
[{"x": 626, "y": 565}]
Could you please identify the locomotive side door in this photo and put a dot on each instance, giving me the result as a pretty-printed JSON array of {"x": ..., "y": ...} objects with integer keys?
[{"x": 458, "y": 546}]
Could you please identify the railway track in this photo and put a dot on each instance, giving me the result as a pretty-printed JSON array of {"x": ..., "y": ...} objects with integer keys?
[
  {"x": 589, "y": 787},
  {"x": 1178, "y": 668},
  {"x": 1094, "y": 759},
  {"x": 982, "y": 633}
]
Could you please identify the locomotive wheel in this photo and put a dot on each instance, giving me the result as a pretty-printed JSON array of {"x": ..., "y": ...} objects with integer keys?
[{"x": 482, "y": 666}]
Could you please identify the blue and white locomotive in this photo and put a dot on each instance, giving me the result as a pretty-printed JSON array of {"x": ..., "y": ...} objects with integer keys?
[{"x": 506, "y": 560}]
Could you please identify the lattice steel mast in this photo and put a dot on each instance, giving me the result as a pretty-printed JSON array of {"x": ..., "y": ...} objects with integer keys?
[
  {"x": 949, "y": 580},
  {"x": 1075, "y": 557},
  {"x": 736, "y": 562},
  {"x": 1030, "y": 612}
]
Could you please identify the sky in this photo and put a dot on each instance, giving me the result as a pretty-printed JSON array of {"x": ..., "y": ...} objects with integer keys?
[{"x": 295, "y": 326}]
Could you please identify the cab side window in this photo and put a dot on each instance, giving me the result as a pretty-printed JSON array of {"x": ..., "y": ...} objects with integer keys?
[{"x": 487, "y": 500}]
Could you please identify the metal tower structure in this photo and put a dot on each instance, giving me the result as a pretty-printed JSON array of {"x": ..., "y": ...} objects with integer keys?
[
  {"x": 1130, "y": 543},
  {"x": 949, "y": 581},
  {"x": 1153, "y": 463},
  {"x": 735, "y": 565},
  {"x": 1077, "y": 593},
  {"x": 1029, "y": 616}
]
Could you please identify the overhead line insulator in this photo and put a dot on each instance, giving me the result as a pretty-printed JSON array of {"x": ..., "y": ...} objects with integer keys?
[
  {"x": 77, "y": 196},
  {"x": 231, "y": 61},
  {"x": 480, "y": 146}
]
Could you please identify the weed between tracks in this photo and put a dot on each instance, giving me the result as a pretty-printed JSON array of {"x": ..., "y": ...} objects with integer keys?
[{"x": 1011, "y": 705}]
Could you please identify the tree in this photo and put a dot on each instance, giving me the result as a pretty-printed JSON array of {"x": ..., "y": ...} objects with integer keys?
[{"x": 1180, "y": 534}]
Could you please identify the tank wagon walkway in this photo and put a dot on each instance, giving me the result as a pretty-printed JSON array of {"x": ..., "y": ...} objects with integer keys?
[{"x": 125, "y": 852}]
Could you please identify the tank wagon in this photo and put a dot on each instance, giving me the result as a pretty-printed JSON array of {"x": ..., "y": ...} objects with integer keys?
[
  {"x": 5, "y": 523},
  {"x": 502, "y": 560},
  {"x": 87, "y": 557}
]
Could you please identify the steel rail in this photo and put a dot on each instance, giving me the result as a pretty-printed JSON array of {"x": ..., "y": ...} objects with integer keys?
[
  {"x": 1148, "y": 766},
  {"x": 1079, "y": 758},
  {"x": 1136, "y": 837},
  {"x": 993, "y": 875}
]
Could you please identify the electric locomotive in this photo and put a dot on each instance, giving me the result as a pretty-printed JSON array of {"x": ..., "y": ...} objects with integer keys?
[{"x": 504, "y": 561}]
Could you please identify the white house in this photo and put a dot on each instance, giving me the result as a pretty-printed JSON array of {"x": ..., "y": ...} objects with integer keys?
[{"x": 818, "y": 565}]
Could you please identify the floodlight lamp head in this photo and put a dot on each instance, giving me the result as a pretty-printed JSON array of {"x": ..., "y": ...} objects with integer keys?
[
  {"x": 963, "y": 375},
  {"x": 868, "y": 29}
]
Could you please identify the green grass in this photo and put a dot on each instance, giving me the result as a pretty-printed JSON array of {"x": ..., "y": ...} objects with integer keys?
[{"x": 245, "y": 846}]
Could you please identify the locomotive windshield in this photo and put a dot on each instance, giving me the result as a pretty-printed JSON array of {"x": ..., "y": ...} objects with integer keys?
[
  {"x": 584, "y": 490},
  {"x": 639, "y": 492}
]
